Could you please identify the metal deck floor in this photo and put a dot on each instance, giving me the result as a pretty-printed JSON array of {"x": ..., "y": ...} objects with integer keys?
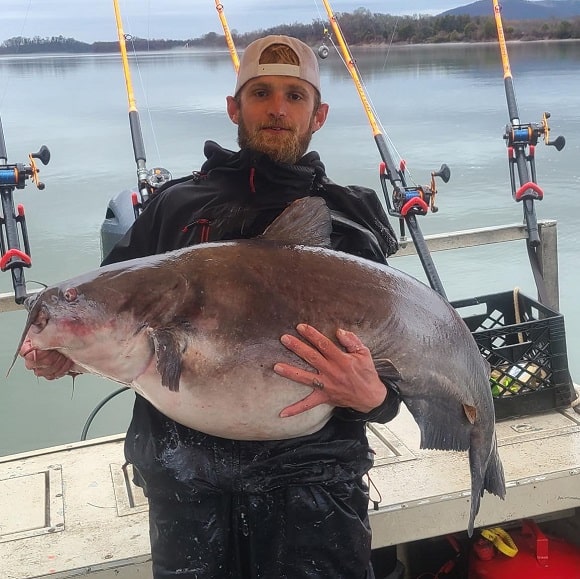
[{"x": 72, "y": 511}]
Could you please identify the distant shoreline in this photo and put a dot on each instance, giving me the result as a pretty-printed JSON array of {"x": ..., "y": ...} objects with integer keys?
[
  {"x": 469, "y": 43},
  {"x": 365, "y": 28},
  {"x": 115, "y": 49}
]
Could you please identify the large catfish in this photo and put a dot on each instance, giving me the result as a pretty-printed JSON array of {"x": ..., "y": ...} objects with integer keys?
[{"x": 197, "y": 331}]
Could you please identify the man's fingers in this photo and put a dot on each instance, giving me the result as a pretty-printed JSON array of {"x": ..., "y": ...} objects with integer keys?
[
  {"x": 318, "y": 340},
  {"x": 350, "y": 342},
  {"x": 307, "y": 352},
  {"x": 315, "y": 399},
  {"x": 296, "y": 374}
]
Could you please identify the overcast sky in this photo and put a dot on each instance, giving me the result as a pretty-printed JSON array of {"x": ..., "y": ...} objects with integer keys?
[{"x": 91, "y": 20}]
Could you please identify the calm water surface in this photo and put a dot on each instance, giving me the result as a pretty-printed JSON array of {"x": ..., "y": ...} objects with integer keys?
[{"x": 437, "y": 104}]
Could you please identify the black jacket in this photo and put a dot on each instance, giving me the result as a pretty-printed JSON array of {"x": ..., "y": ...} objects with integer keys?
[{"x": 237, "y": 195}]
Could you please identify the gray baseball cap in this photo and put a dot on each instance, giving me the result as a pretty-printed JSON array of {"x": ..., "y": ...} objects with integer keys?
[{"x": 250, "y": 66}]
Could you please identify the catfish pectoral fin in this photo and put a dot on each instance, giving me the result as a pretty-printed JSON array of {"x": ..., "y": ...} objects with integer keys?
[{"x": 169, "y": 348}]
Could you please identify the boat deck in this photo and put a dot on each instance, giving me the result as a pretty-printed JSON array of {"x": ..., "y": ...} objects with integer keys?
[{"x": 72, "y": 511}]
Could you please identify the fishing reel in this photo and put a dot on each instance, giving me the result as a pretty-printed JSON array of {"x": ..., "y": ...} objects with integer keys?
[
  {"x": 518, "y": 138},
  {"x": 14, "y": 244},
  {"x": 15, "y": 175},
  {"x": 528, "y": 135},
  {"x": 153, "y": 180},
  {"x": 157, "y": 177},
  {"x": 415, "y": 200}
]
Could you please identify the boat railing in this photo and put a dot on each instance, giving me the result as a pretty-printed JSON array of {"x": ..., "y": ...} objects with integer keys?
[{"x": 458, "y": 240}]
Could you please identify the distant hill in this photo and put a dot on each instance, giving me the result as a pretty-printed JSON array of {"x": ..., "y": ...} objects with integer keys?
[{"x": 521, "y": 9}]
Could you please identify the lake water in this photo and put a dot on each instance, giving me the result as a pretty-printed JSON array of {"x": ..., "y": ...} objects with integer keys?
[{"x": 437, "y": 104}]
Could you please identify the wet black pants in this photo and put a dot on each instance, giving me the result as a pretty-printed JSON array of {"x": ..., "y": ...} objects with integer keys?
[{"x": 317, "y": 531}]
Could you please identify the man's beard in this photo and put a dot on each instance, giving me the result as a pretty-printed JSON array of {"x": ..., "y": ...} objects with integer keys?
[{"x": 285, "y": 146}]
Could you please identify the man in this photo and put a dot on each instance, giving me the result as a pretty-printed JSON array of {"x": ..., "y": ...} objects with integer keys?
[{"x": 270, "y": 509}]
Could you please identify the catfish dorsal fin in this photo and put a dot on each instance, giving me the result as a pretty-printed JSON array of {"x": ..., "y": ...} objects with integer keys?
[{"x": 306, "y": 221}]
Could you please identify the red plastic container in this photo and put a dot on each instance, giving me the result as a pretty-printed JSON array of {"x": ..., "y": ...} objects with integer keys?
[{"x": 538, "y": 557}]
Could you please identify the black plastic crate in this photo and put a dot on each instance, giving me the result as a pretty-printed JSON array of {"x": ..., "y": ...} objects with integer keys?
[{"x": 525, "y": 344}]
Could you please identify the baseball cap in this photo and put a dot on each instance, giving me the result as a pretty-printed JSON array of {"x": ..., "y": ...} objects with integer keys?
[{"x": 250, "y": 66}]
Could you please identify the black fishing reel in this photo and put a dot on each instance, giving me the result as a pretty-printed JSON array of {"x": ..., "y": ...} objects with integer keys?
[
  {"x": 14, "y": 244},
  {"x": 529, "y": 134}
]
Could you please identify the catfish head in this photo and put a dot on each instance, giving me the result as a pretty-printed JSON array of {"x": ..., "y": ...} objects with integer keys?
[{"x": 86, "y": 323}]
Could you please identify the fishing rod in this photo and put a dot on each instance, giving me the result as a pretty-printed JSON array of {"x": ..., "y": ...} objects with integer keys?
[
  {"x": 14, "y": 243},
  {"x": 408, "y": 202},
  {"x": 147, "y": 180},
  {"x": 521, "y": 140},
  {"x": 229, "y": 40}
]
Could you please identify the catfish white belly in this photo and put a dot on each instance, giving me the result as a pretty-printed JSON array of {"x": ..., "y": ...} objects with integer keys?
[{"x": 221, "y": 408}]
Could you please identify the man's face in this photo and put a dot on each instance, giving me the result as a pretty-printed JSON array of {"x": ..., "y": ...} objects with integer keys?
[{"x": 276, "y": 115}]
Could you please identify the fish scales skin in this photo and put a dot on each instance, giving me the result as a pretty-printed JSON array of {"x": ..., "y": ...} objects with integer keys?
[{"x": 197, "y": 331}]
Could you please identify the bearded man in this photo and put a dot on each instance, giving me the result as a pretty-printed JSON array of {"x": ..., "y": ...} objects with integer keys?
[{"x": 268, "y": 509}]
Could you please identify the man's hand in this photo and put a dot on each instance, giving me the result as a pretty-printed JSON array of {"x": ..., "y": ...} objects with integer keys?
[
  {"x": 48, "y": 364},
  {"x": 344, "y": 377}
]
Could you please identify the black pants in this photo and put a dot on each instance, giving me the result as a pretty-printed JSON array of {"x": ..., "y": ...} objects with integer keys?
[
  {"x": 226, "y": 509},
  {"x": 315, "y": 532}
]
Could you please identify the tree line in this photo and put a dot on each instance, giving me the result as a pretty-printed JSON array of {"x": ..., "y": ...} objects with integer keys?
[
  {"x": 60, "y": 44},
  {"x": 361, "y": 27}
]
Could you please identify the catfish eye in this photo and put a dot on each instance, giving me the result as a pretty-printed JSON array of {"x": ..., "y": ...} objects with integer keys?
[{"x": 70, "y": 294}]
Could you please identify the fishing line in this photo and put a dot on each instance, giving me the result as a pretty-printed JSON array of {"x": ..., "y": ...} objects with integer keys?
[
  {"x": 321, "y": 15},
  {"x": 131, "y": 39},
  {"x": 147, "y": 180},
  {"x": 391, "y": 42},
  {"x": 392, "y": 146}
]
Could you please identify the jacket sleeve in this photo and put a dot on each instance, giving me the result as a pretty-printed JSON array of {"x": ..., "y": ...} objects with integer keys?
[
  {"x": 381, "y": 414},
  {"x": 362, "y": 205}
]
